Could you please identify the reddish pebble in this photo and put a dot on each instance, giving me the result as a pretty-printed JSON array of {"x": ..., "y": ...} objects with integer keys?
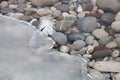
[{"x": 96, "y": 15}]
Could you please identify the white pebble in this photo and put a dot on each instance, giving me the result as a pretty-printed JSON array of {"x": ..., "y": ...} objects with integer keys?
[
  {"x": 64, "y": 49},
  {"x": 79, "y": 9},
  {"x": 90, "y": 49},
  {"x": 89, "y": 56},
  {"x": 115, "y": 53},
  {"x": 100, "y": 11}
]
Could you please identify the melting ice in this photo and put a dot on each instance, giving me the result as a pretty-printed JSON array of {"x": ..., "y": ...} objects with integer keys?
[{"x": 18, "y": 62}]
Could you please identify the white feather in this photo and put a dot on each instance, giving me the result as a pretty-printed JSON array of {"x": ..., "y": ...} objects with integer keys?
[{"x": 46, "y": 26}]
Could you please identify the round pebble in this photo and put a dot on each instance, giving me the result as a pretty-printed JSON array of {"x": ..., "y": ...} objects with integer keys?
[
  {"x": 64, "y": 49},
  {"x": 60, "y": 38},
  {"x": 87, "y": 24},
  {"x": 109, "y": 5},
  {"x": 89, "y": 40},
  {"x": 115, "y": 53},
  {"x": 4, "y": 4},
  {"x": 76, "y": 36},
  {"x": 78, "y": 44},
  {"x": 116, "y": 26},
  {"x": 117, "y": 17},
  {"x": 100, "y": 33},
  {"x": 107, "y": 18}
]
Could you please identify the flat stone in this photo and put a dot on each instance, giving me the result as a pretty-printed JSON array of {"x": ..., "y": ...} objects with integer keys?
[
  {"x": 100, "y": 33},
  {"x": 44, "y": 12},
  {"x": 101, "y": 53},
  {"x": 111, "y": 45},
  {"x": 113, "y": 6},
  {"x": 107, "y": 66},
  {"x": 44, "y": 2}
]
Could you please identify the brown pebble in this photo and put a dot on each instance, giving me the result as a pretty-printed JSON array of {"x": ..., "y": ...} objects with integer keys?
[
  {"x": 25, "y": 18},
  {"x": 96, "y": 15},
  {"x": 4, "y": 4},
  {"x": 99, "y": 48},
  {"x": 89, "y": 6},
  {"x": 101, "y": 53},
  {"x": 36, "y": 16}
]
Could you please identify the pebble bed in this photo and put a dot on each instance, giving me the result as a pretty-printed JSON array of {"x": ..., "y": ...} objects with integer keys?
[{"x": 90, "y": 28}]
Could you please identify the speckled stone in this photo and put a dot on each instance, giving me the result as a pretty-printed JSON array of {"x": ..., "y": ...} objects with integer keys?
[{"x": 87, "y": 24}]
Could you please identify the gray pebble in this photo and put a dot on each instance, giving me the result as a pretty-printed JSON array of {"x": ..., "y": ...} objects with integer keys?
[
  {"x": 60, "y": 38},
  {"x": 87, "y": 24},
  {"x": 76, "y": 36},
  {"x": 107, "y": 18},
  {"x": 78, "y": 44},
  {"x": 6, "y": 10},
  {"x": 89, "y": 40},
  {"x": 63, "y": 7},
  {"x": 109, "y": 5}
]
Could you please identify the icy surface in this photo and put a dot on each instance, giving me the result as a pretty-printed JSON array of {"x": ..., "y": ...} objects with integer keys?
[{"x": 20, "y": 59}]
